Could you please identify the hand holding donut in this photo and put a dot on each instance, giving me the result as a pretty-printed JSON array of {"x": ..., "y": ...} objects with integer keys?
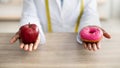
[{"x": 91, "y": 36}]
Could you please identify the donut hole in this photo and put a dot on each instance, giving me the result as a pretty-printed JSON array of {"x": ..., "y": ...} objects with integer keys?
[{"x": 92, "y": 31}]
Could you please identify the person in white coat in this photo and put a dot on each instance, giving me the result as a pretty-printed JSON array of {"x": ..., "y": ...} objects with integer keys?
[{"x": 59, "y": 16}]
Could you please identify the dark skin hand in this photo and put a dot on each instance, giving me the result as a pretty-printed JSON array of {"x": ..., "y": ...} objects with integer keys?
[
  {"x": 26, "y": 47},
  {"x": 95, "y": 46}
]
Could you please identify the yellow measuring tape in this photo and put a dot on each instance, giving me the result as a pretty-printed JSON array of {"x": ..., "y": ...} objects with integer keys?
[
  {"x": 49, "y": 20},
  {"x": 48, "y": 16},
  {"x": 79, "y": 17}
]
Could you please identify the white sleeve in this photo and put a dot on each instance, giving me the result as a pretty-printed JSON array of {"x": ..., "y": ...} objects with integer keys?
[
  {"x": 29, "y": 14},
  {"x": 90, "y": 16}
]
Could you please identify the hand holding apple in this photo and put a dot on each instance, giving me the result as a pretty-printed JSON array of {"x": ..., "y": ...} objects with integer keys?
[{"x": 27, "y": 45}]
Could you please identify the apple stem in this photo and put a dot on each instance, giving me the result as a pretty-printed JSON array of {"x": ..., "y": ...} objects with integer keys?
[{"x": 29, "y": 24}]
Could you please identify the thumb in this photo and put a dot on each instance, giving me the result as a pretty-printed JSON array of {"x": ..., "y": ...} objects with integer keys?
[
  {"x": 14, "y": 38},
  {"x": 105, "y": 34},
  {"x": 37, "y": 43}
]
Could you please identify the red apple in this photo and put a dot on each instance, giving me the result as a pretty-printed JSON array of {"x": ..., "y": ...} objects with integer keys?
[{"x": 29, "y": 33}]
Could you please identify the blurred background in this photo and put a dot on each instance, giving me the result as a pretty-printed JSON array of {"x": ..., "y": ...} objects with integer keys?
[{"x": 10, "y": 14}]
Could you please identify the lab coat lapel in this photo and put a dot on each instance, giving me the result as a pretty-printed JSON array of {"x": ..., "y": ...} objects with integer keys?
[
  {"x": 55, "y": 9},
  {"x": 58, "y": 4},
  {"x": 68, "y": 8}
]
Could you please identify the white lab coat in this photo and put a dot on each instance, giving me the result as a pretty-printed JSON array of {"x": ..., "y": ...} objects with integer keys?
[{"x": 63, "y": 19}]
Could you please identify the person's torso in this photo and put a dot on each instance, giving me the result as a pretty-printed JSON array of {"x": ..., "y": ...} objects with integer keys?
[{"x": 63, "y": 18}]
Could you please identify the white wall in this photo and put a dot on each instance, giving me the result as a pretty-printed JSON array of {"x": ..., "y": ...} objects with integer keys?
[
  {"x": 109, "y": 9},
  {"x": 104, "y": 9},
  {"x": 10, "y": 9},
  {"x": 116, "y": 8}
]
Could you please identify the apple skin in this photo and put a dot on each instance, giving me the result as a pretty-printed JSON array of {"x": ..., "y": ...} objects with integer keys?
[{"x": 29, "y": 33}]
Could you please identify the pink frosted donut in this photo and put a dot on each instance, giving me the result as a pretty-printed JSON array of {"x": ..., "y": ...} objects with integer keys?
[{"x": 91, "y": 34}]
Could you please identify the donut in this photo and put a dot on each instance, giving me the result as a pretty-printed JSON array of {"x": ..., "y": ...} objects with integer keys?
[{"x": 91, "y": 34}]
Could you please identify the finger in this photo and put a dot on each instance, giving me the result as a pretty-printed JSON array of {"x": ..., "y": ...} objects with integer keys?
[
  {"x": 84, "y": 44},
  {"x": 94, "y": 47},
  {"x": 36, "y": 43},
  {"x": 14, "y": 38},
  {"x": 106, "y": 35},
  {"x": 89, "y": 46},
  {"x": 98, "y": 45},
  {"x": 31, "y": 47},
  {"x": 22, "y": 45},
  {"x": 26, "y": 47}
]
